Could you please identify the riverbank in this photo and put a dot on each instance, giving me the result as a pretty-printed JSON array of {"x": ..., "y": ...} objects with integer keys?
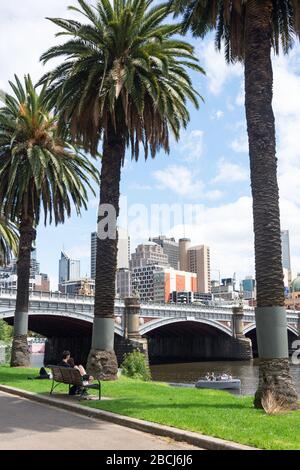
[{"x": 209, "y": 412}]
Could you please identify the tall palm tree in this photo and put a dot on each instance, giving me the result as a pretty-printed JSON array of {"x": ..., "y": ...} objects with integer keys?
[
  {"x": 39, "y": 168},
  {"x": 8, "y": 241},
  {"x": 124, "y": 79},
  {"x": 249, "y": 29}
]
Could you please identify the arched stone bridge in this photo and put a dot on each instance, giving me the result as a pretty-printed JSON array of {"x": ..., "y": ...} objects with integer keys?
[{"x": 172, "y": 330}]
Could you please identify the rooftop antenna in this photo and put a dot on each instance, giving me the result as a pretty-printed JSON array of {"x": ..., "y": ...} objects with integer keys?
[{"x": 183, "y": 220}]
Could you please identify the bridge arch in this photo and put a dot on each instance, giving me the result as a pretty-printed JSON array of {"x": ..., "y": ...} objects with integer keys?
[
  {"x": 187, "y": 339},
  {"x": 58, "y": 322},
  {"x": 252, "y": 327},
  {"x": 250, "y": 332},
  {"x": 160, "y": 322}
]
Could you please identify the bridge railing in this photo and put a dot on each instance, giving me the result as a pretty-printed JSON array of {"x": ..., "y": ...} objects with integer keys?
[{"x": 55, "y": 301}]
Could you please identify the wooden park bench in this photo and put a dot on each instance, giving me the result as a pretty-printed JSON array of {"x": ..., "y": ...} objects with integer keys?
[{"x": 71, "y": 377}]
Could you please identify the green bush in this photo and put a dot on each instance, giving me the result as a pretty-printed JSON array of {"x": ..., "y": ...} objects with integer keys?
[
  {"x": 135, "y": 366},
  {"x": 6, "y": 332}
]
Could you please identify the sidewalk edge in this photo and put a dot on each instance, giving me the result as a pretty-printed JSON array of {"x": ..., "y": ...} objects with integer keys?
[{"x": 193, "y": 438}]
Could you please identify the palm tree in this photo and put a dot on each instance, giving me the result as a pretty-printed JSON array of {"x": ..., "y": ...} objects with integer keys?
[
  {"x": 249, "y": 29},
  {"x": 8, "y": 241},
  {"x": 38, "y": 169},
  {"x": 124, "y": 79}
]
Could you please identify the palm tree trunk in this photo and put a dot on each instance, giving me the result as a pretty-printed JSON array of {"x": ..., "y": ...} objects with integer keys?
[
  {"x": 271, "y": 325},
  {"x": 20, "y": 352},
  {"x": 102, "y": 360}
]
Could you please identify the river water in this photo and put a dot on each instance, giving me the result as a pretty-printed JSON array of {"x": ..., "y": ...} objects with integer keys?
[{"x": 246, "y": 371}]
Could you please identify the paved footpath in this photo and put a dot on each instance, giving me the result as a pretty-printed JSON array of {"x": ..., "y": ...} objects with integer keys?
[{"x": 28, "y": 425}]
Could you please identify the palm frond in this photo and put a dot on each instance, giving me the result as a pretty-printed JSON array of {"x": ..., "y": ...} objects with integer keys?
[{"x": 120, "y": 64}]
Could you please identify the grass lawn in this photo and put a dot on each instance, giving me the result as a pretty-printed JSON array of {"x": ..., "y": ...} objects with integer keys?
[{"x": 214, "y": 413}]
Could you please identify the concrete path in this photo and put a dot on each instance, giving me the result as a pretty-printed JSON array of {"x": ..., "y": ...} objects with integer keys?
[{"x": 28, "y": 425}]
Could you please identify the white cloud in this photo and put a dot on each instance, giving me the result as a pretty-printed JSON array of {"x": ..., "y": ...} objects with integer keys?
[
  {"x": 230, "y": 172},
  {"x": 141, "y": 187},
  {"x": 214, "y": 194},
  {"x": 240, "y": 144},
  {"x": 216, "y": 115},
  {"x": 26, "y": 34},
  {"x": 240, "y": 98},
  {"x": 179, "y": 179},
  {"x": 217, "y": 70},
  {"x": 228, "y": 230},
  {"x": 191, "y": 144}
]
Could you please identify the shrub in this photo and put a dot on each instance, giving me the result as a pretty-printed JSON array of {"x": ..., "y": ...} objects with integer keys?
[{"x": 135, "y": 366}]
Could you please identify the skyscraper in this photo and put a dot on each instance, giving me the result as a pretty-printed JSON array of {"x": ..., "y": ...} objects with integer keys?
[
  {"x": 199, "y": 263},
  {"x": 69, "y": 269},
  {"x": 93, "y": 254},
  {"x": 170, "y": 248},
  {"x": 184, "y": 245},
  {"x": 286, "y": 256},
  {"x": 148, "y": 254},
  {"x": 123, "y": 251}
]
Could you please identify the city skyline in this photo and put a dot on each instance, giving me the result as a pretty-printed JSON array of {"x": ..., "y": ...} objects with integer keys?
[{"x": 216, "y": 275}]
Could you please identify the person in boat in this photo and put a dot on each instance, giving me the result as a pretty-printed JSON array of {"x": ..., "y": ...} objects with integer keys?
[
  {"x": 212, "y": 376},
  {"x": 226, "y": 377}
]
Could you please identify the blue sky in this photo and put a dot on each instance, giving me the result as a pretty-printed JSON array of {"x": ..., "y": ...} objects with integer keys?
[{"x": 208, "y": 169}]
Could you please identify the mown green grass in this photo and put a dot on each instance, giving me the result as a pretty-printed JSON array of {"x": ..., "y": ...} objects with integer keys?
[{"x": 214, "y": 413}]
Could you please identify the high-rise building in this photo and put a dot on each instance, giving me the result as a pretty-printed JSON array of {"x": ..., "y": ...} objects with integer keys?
[
  {"x": 34, "y": 264},
  {"x": 93, "y": 254},
  {"x": 123, "y": 283},
  {"x": 170, "y": 248},
  {"x": 37, "y": 281},
  {"x": 184, "y": 245},
  {"x": 142, "y": 281},
  {"x": 199, "y": 263},
  {"x": 225, "y": 290},
  {"x": 286, "y": 255},
  {"x": 187, "y": 297},
  {"x": 69, "y": 269},
  {"x": 248, "y": 288},
  {"x": 123, "y": 251},
  {"x": 148, "y": 254},
  {"x": 42, "y": 283},
  {"x": 171, "y": 280}
]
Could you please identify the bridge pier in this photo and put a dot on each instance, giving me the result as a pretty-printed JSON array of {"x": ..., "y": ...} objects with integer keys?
[
  {"x": 133, "y": 339},
  {"x": 241, "y": 346}
]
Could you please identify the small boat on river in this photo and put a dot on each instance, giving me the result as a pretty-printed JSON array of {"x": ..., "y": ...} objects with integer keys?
[
  {"x": 221, "y": 382},
  {"x": 229, "y": 384}
]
